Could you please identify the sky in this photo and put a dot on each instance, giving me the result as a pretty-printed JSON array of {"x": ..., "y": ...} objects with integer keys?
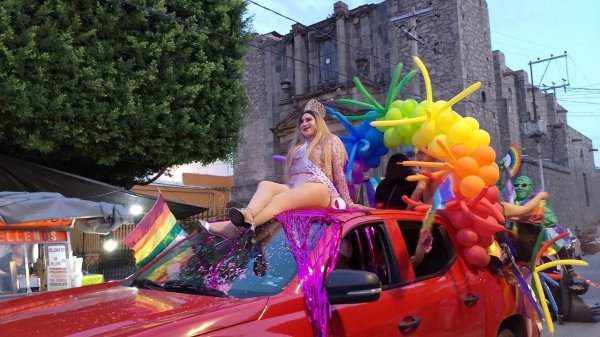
[{"x": 523, "y": 30}]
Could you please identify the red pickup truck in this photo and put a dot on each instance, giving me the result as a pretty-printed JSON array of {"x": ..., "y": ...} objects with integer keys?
[{"x": 206, "y": 286}]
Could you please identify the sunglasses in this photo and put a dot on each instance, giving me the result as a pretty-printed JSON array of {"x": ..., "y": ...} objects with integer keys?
[{"x": 523, "y": 185}]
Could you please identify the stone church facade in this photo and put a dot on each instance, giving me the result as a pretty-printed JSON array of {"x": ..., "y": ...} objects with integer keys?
[{"x": 453, "y": 40}]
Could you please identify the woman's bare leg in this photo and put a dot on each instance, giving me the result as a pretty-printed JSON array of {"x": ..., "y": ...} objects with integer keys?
[
  {"x": 308, "y": 195},
  {"x": 265, "y": 191},
  {"x": 263, "y": 195}
]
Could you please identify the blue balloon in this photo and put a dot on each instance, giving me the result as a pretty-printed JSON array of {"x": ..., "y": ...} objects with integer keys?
[
  {"x": 363, "y": 128},
  {"x": 381, "y": 150},
  {"x": 374, "y": 137},
  {"x": 374, "y": 115},
  {"x": 365, "y": 153},
  {"x": 373, "y": 162}
]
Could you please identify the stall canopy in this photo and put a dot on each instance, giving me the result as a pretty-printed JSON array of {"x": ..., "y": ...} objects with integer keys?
[
  {"x": 20, "y": 176},
  {"x": 20, "y": 208}
]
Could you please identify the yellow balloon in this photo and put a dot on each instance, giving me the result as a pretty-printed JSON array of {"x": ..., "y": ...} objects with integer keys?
[
  {"x": 381, "y": 128},
  {"x": 435, "y": 147},
  {"x": 418, "y": 140},
  {"x": 479, "y": 137},
  {"x": 555, "y": 263},
  {"x": 428, "y": 130},
  {"x": 436, "y": 109},
  {"x": 472, "y": 123},
  {"x": 540, "y": 291},
  {"x": 446, "y": 120},
  {"x": 459, "y": 133}
]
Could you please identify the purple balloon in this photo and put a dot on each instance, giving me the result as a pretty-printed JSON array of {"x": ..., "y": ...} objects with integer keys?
[
  {"x": 362, "y": 163},
  {"x": 357, "y": 173},
  {"x": 352, "y": 190}
]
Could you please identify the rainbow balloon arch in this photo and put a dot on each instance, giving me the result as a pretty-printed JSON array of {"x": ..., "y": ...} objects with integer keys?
[
  {"x": 465, "y": 169},
  {"x": 460, "y": 146}
]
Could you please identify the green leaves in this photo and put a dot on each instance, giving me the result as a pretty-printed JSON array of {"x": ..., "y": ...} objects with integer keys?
[{"x": 118, "y": 94}]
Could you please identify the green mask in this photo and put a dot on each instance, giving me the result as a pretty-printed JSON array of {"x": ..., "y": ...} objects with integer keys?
[{"x": 523, "y": 187}]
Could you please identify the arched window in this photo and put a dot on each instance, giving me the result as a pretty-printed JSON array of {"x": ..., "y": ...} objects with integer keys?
[{"x": 327, "y": 61}]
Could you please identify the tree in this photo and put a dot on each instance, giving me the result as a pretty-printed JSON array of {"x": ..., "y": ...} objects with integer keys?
[{"x": 117, "y": 90}]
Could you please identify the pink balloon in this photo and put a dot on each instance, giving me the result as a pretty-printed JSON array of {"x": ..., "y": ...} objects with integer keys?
[
  {"x": 467, "y": 237},
  {"x": 477, "y": 256}
]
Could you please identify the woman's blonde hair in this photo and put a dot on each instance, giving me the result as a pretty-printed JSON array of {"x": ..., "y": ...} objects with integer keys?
[{"x": 321, "y": 138}]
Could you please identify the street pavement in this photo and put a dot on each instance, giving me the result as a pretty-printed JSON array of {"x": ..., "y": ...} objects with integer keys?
[{"x": 570, "y": 329}]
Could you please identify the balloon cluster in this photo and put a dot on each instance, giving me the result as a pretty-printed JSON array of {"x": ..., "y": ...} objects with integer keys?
[
  {"x": 409, "y": 112},
  {"x": 440, "y": 122},
  {"x": 364, "y": 146},
  {"x": 435, "y": 128}
]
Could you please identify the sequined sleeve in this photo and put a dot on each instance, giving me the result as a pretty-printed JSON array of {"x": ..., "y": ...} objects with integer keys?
[{"x": 337, "y": 168}]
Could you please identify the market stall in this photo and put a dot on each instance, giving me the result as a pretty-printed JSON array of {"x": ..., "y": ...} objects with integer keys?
[{"x": 35, "y": 247}]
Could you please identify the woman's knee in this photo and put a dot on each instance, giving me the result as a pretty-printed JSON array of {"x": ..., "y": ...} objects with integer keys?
[{"x": 281, "y": 202}]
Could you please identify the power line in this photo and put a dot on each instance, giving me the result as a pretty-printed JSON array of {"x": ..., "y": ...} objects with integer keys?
[
  {"x": 528, "y": 41},
  {"x": 316, "y": 30}
]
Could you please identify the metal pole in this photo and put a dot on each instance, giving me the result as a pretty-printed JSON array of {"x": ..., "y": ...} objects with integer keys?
[
  {"x": 535, "y": 116},
  {"x": 540, "y": 163}
]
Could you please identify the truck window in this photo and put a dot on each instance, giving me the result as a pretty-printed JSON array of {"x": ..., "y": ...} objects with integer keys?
[
  {"x": 438, "y": 260},
  {"x": 366, "y": 248}
]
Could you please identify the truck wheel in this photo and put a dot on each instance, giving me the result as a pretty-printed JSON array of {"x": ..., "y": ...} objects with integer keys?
[{"x": 506, "y": 333}]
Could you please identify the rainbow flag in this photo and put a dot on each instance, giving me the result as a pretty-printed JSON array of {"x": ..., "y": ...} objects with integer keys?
[{"x": 157, "y": 231}]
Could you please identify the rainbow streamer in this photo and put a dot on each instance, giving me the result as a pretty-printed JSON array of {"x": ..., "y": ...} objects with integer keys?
[
  {"x": 156, "y": 232},
  {"x": 512, "y": 160}
]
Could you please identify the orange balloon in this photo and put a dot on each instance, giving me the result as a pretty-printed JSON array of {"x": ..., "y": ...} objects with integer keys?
[
  {"x": 484, "y": 155},
  {"x": 470, "y": 186},
  {"x": 489, "y": 173},
  {"x": 460, "y": 150},
  {"x": 466, "y": 166}
]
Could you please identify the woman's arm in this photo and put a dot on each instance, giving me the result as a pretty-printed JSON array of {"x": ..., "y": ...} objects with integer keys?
[
  {"x": 417, "y": 194},
  {"x": 511, "y": 210},
  {"x": 337, "y": 170}
]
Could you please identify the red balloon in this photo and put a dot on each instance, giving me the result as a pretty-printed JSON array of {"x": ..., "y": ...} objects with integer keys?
[
  {"x": 493, "y": 194},
  {"x": 485, "y": 240},
  {"x": 458, "y": 218},
  {"x": 467, "y": 237},
  {"x": 477, "y": 256}
]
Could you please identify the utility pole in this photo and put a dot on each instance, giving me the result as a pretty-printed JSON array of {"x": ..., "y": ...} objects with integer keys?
[
  {"x": 536, "y": 127},
  {"x": 411, "y": 32}
]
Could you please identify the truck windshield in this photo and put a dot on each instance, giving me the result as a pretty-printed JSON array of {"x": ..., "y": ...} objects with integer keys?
[{"x": 246, "y": 267}]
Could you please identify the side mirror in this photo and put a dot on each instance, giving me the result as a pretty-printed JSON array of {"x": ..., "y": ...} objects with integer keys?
[{"x": 346, "y": 286}]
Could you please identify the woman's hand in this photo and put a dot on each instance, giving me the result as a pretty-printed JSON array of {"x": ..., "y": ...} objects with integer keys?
[{"x": 359, "y": 207}]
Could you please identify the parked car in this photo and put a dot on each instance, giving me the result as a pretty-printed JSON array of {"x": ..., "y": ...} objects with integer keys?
[
  {"x": 248, "y": 287},
  {"x": 574, "y": 245}
]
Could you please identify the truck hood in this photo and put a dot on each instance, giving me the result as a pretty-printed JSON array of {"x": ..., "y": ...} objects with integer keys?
[{"x": 111, "y": 309}]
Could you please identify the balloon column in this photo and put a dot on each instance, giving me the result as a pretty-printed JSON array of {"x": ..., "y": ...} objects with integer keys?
[{"x": 458, "y": 142}]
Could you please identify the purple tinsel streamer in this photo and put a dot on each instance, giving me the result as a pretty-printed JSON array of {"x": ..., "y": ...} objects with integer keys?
[{"x": 314, "y": 266}]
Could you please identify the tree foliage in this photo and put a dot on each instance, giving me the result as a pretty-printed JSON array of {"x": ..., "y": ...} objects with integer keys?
[{"x": 118, "y": 91}]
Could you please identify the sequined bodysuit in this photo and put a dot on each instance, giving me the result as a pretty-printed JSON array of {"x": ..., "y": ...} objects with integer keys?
[{"x": 299, "y": 173}]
